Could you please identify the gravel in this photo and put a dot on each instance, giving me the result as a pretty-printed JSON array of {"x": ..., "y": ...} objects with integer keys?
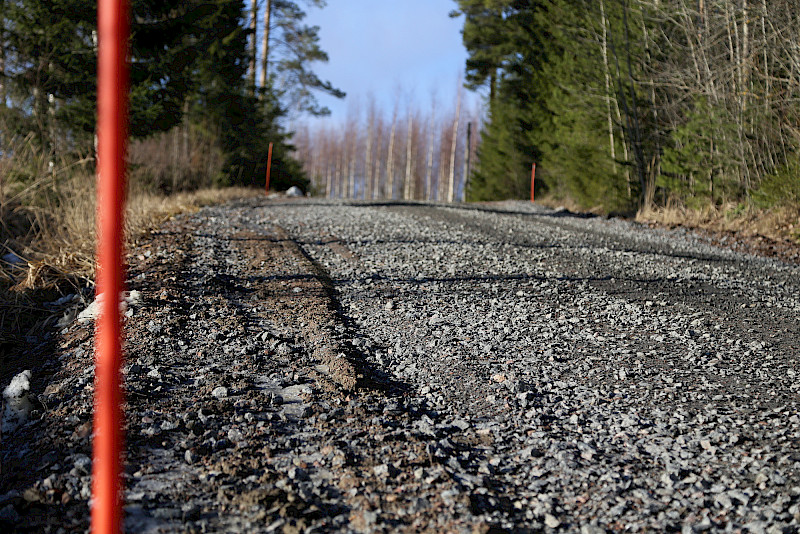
[{"x": 306, "y": 366}]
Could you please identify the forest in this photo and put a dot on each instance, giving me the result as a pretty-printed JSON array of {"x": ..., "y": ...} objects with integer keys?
[
  {"x": 624, "y": 105},
  {"x": 408, "y": 152},
  {"x": 213, "y": 85},
  {"x": 211, "y": 82}
]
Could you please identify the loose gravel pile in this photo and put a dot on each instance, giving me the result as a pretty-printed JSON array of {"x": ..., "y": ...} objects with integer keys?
[{"x": 311, "y": 366}]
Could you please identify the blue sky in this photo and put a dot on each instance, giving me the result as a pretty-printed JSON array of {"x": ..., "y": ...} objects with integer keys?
[{"x": 379, "y": 45}]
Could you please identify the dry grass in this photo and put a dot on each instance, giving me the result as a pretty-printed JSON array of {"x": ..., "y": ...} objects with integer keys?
[
  {"x": 778, "y": 223},
  {"x": 50, "y": 225},
  {"x": 47, "y": 227},
  {"x": 147, "y": 211}
]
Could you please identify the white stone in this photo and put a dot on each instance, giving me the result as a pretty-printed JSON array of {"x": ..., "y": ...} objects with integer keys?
[
  {"x": 294, "y": 191},
  {"x": 17, "y": 406}
]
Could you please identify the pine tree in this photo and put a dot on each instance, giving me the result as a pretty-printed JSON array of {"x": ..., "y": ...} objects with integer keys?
[{"x": 290, "y": 47}]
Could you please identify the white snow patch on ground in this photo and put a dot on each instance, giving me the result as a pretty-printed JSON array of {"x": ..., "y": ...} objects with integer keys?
[
  {"x": 294, "y": 191},
  {"x": 130, "y": 298},
  {"x": 17, "y": 406}
]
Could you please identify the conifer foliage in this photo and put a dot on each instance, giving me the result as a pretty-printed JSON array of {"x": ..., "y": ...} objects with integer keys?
[
  {"x": 192, "y": 83},
  {"x": 630, "y": 104}
]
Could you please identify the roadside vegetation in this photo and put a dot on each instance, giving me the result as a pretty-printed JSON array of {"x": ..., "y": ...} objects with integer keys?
[
  {"x": 672, "y": 111},
  {"x": 213, "y": 84},
  {"x": 681, "y": 112}
]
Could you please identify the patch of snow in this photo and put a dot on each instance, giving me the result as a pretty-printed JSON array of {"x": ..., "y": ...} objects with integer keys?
[
  {"x": 129, "y": 298},
  {"x": 17, "y": 406},
  {"x": 294, "y": 191}
]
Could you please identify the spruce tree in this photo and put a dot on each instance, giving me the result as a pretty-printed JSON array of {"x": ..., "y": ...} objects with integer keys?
[{"x": 507, "y": 57}]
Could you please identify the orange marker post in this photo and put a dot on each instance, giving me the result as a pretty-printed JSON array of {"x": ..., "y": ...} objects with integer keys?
[
  {"x": 269, "y": 167},
  {"x": 112, "y": 101},
  {"x": 533, "y": 179}
]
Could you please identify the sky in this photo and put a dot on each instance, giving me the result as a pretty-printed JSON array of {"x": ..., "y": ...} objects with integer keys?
[{"x": 379, "y": 46}]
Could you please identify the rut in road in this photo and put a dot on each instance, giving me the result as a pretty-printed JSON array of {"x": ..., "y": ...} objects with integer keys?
[{"x": 312, "y": 366}]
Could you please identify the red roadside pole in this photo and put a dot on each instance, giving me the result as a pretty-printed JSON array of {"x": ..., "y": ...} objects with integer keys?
[
  {"x": 533, "y": 179},
  {"x": 269, "y": 167},
  {"x": 112, "y": 102}
]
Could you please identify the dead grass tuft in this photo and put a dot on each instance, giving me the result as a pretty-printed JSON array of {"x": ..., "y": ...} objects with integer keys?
[
  {"x": 56, "y": 240},
  {"x": 47, "y": 233},
  {"x": 779, "y": 223}
]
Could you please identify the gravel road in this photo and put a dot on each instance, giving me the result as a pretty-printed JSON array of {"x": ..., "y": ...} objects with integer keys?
[{"x": 318, "y": 366}]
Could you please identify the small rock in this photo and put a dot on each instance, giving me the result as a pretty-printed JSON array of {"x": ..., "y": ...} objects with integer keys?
[
  {"x": 83, "y": 463},
  {"x": 8, "y": 497},
  {"x": 83, "y": 430},
  {"x": 384, "y": 470},
  {"x": 461, "y": 424},
  {"x": 551, "y": 521},
  {"x": 190, "y": 512},
  {"x": 16, "y": 402},
  {"x": 166, "y": 513},
  {"x": 235, "y": 435},
  {"x": 294, "y": 191},
  {"x": 34, "y": 495},
  {"x": 295, "y": 411},
  {"x": 296, "y": 393},
  {"x": 220, "y": 392}
]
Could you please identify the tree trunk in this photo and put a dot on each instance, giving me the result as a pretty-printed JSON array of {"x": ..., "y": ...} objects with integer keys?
[
  {"x": 767, "y": 77},
  {"x": 745, "y": 54},
  {"x": 441, "y": 181},
  {"x": 347, "y": 177},
  {"x": 429, "y": 166},
  {"x": 251, "y": 73},
  {"x": 186, "y": 131},
  {"x": 340, "y": 170},
  {"x": 353, "y": 162},
  {"x": 408, "y": 187},
  {"x": 328, "y": 177},
  {"x": 390, "y": 159},
  {"x": 2, "y": 57},
  {"x": 607, "y": 73},
  {"x": 265, "y": 44},
  {"x": 176, "y": 136},
  {"x": 648, "y": 187},
  {"x": 376, "y": 171},
  {"x": 368, "y": 160},
  {"x": 453, "y": 145},
  {"x": 655, "y": 162},
  {"x": 467, "y": 154}
]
